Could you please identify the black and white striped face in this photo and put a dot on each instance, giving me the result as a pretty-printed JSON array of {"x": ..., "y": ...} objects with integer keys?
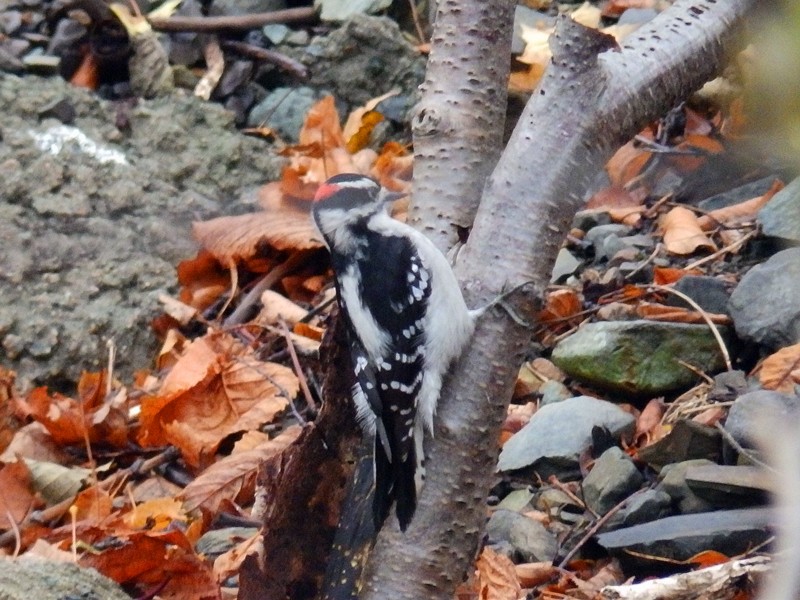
[{"x": 345, "y": 200}]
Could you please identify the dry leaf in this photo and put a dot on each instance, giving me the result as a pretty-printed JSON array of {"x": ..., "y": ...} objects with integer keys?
[
  {"x": 744, "y": 212},
  {"x": 781, "y": 371},
  {"x": 682, "y": 233},
  {"x": 497, "y": 578}
]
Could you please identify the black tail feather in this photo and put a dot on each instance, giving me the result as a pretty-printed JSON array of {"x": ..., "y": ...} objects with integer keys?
[{"x": 394, "y": 482}]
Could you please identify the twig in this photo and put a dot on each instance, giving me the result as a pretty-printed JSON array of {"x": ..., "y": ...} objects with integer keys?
[
  {"x": 646, "y": 262},
  {"x": 717, "y": 336},
  {"x": 732, "y": 247},
  {"x": 553, "y": 480},
  {"x": 254, "y": 295},
  {"x": 741, "y": 450},
  {"x": 595, "y": 527},
  {"x": 415, "y": 18},
  {"x": 233, "y": 22},
  {"x": 297, "y": 368},
  {"x": 295, "y": 67}
]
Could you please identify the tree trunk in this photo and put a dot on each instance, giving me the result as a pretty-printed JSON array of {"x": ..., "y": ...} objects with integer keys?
[
  {"x": 589, "y": 103},
  {"x": 458, "y": 124}
]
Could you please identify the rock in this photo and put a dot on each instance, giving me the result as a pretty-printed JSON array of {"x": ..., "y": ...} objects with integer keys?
[
  {"x": 647, "y": 506},
  {"x": 710, "y": 293},
  {"x": 247, "y": 7},
  {"x": 218, "y": 541},
  {"x": 738, "y": 194},
  {"x": 673, "y": 483},
  {"x": 686, "y": 441},
  {"x": 637, "y": 16},
  {"x": 764, "y": 305},
  {"x": 680, "y": 537},
  {"x": 638, "y": 357},
  {"x": 613, "y": 478},
  {"x": 553, "y": 391},
  {"x": 529, "y": 538},
  {"x": 566, "y": 264},
  {"x": 780, "y": 217},
  {"x": 728, "y": 385},
  {"x": 518, "y": 500},
  {"x": 339, "y": 10},
  {"x": 605, "y": 239},
  {"x": 553, "y": 440},
  {"x": 284, "y": 110},
  {"x": 29, "y": 578},
  {"x": 276, "y": 32},
  {"x": 750, "y": 412},
  {"x": 364, "y": 58},
  {"x": 731, "y": 486},
  {"x": 94, "y": 220},
  {"x": 553, "y": 500},
  {"x": 589, "y": 219}
]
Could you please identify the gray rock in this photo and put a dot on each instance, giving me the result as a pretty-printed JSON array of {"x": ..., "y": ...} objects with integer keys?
[
  {"x": 339, "y": 10},
  {"x": 680, "y": 537},
  {"x": 276, "y": 32},
  {"x": 728, "y": 386},
  {"x": 781, "y": 216},
  {"x": 566, "y": 264},
  {"x": 638, "y": 357},
  {"x": 673, "y": 483},
  {"x": 586, "y": 220},
  {"x": 552, "y": 441},
  {"x": 518, "y": 501},
  {"x": 731, "y": 486},
  {"x": 613, "y": 478},
  {"x": 362, "y": 59},
  {"x": 284, "y": 110},
  {"x": 749, "y": 413},
  {"x": 71, "y": 279},
  {"x": 710, "y": 293},
  {"x": 247, "y": 7},
  {"x": 737, "y": 195},
  {"x": 553, "y": 500},
  {"x": 529, "y": 538},
  {"x": 645, "y": 507},
  {"x": 605, "y": 238},
  {"x": 553, "y": 391},
  {"x": 764, "y": 305},
  {"x": 686, "y": 441}
]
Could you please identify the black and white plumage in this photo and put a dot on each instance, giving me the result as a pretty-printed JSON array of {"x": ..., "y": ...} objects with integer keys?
[{"x": 406, "y": 321}]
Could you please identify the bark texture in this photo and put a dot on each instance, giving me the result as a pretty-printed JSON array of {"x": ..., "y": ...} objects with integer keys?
[
  {"x": 458, "y": 124},
  {"x": 590, "y": 102}
]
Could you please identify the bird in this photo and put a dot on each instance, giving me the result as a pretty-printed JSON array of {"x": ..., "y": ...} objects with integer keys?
[{"x": 406, "y": 322}]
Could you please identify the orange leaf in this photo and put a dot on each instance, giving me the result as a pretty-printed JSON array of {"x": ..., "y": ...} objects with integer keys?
[
  {"x": 708, "y": 558},
  {"x": 650, "y": 417},
  {"x": 682, "y": 233},
  {"x": 628, "y": 162},
  {"x": 739, "y": 213},
  {"x": 86, "y": 75},
  {"x": 17, "y": 498},
  {"x": 497, "y": 578},
  {"x": 560, "y": 305},
  {"x": 781, "y": 371},
  {"x": 233, "y": 478},
  {"x": 667, "y": 275}
]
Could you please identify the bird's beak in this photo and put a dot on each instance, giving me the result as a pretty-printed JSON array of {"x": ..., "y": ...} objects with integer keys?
[{"x": 388, "y": 196}]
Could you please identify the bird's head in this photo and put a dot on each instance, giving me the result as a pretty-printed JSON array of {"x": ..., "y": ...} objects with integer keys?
[{"x": 347, "y": 200}]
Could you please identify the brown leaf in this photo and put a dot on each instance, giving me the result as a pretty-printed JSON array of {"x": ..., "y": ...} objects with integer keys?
[
  {"x": 650, "y": 417},
  {"x": 17, "y": 498},
  {"x": 682, "y": 233},
  {"x": 233, "y": 478},
  {"x": 497, "y": 578},
  {"x": 232, "y": 240},
  {"x": 676, "y": 314},
  {"x": 533, "y": 574},
  {"x": 781, "y": 371},
  {"x": 746, "y": 211},
  {"x": 215, "y": 389},
  {"x": 202, "y": 280}
]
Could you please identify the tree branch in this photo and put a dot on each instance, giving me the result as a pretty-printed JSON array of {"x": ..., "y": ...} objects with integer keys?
[{"x": 588, "y": 104}]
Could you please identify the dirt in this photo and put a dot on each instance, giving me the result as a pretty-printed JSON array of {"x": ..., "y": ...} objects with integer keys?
[{"x": 96, "y": 212}]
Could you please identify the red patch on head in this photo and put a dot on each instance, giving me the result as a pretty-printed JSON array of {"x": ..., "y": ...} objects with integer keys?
[{"x": 325, "y": 191}]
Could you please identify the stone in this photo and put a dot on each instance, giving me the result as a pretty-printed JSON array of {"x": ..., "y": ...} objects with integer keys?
[
  {"x": 566, "y": 264},
  {"x": 764, "y": 305},
  {"x": 553, "y": 391},
  {"x": 284, "y": 110},
  {"x": 529, "y": 538},
  {"x": 747, "y": 417},
  {"x": 710, "y": 293},
  {"x": 518, "y": 500},
  {"x": 673, "y": 483},
  {"x": 731, "y": 486},
  {"x": 613, "y": 478},
  {"x": 780, "y": 217},
  {"x": 739, "y": 194},
  {"x": 686, "y": 441},
  {"x": 680, "y": 537},
  {"x": 646, "y": 506},
  {"x": 553, "y": 440},
  {"x": 640, "y": 358},
  {"x": 339, "y": 10},
  {"x": 637, "y": 16}
]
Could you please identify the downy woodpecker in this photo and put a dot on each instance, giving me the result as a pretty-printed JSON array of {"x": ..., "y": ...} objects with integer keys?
[{"x": 406, "y": 322}]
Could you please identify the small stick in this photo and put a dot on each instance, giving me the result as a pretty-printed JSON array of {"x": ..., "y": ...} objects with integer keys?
[
  {"x": 729, "y": 248},
  {"x": 232, "y": 22},
  {"x": 297, "y": 368},
  {"x": 295, "y": 67}
]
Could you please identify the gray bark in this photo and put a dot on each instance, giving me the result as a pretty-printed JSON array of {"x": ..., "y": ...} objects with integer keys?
[
  {"x": 587, "y": 105},
  {"x": 458, "y": 124}
]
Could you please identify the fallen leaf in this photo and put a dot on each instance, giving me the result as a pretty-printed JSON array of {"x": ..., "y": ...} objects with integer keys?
[
  {"x": 17, "y": 498},
  {"x": 781, "y": 371},
  {"x": 682, "y": 233},
  {"x": 533, "y": 574},
  {"x": 743, "y": 212},
  {"x": 497, "y": 578}
]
